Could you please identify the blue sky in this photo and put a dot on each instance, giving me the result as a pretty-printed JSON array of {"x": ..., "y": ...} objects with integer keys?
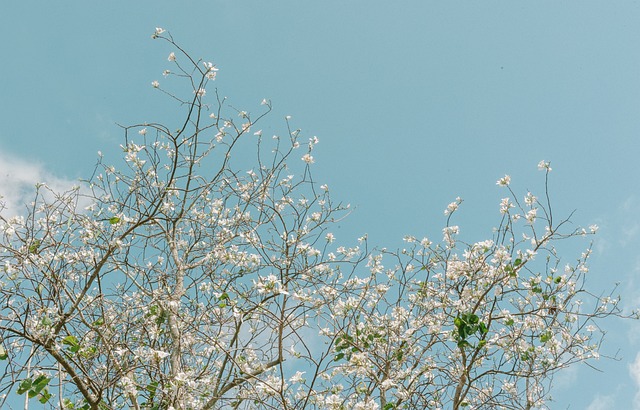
[{"x": 414, "y": 103}]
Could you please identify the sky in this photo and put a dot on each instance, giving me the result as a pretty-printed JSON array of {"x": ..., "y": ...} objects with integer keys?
[{"x": 415, "y": 103}]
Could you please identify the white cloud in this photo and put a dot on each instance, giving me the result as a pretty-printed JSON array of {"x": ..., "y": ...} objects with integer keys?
[
  {"x": 630, "y": 227},
  {"x": 634, "y": 371},
  {"x": 603, "y": 403},
  {"x": 629, "y": 204},
  {"x": 566, "y": 378},
  {"x": 18, "y": 179}
]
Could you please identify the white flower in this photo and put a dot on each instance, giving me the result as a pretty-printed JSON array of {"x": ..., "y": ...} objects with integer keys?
[
  {"x": 142, "y": 131},
  {"x": 159, "y": 30},
  {"x": 544, "y": 165},
  {"x": 297, "y": 378},
  {"x": 270, "y": 284},
  {"x": 200, "y": 92},
  {"x": 388, "y": 384},
  {"x": 333, "y": 402},
  {"x": 308, "y": 158},
  {"x": 212, "y": 71},
  {"x": 505, "y": 205},
  {"x": 531, "y": 215},
  {"x": 160, "y": 354},
  {"x": 453, "y": 206},
  {"x": 504, "y": 181},
  {"x": 449, "y": 234},
  {"x": 155, "y": 84},
  {"x": 368, "y": 404},
  {"x": 530, "y": 199},
  {"x": 510, "y": 388},
  {"x": 172, "y": 57}
]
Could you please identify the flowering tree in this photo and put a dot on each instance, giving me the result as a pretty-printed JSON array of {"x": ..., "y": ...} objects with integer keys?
[{"x": 192, "y": 277}]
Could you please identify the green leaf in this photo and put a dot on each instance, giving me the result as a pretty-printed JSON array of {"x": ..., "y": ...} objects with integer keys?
[
  {"x": 517, "y": 262},
  {"x": 510, "y": 271},
  {"x": 40, "y": 383},
  {"x": 161, "y": 318},
  {"x": 509, "y": 322},
  {"x": 89, "y": 352},
  {"x": 152, "y": 387},
  {"x": 114, "y": 220},
  {"x": 463, "y": 343},
  {"x": 462, "y": 332},
  {"x": 98, "y": 322},
  {"x": 24, "y": 386},
  {"x": 33, "y": 248},
  {"x": 3, "y": 353},
  {"x": 545, "y": 337},
  {"x": 558, "y": 279},
  {"x": 471, "y": 318},
  {"x": 223, "y": 300},
  {"x": 153, "y": 311},
  {"x": 70, "y": 341}
]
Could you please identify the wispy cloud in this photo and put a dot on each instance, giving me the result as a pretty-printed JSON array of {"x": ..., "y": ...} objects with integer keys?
[
  {"x": 601, "y": 402},
  {"x": 18, "y": 179},
  {"x": 566, "y": 378},
  {"x": 630, "y": 225},
  {"x": 634, "y": 371}
]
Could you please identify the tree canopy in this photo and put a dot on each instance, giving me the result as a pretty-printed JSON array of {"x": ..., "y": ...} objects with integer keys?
[{"x": 202, "y": 272}]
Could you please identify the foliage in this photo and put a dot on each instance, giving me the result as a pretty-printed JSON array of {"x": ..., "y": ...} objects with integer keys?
[{"x": 193, "y": 277}]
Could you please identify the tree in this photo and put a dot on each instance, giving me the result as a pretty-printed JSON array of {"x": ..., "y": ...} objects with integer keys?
[{"x": 191, "y": 277}]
